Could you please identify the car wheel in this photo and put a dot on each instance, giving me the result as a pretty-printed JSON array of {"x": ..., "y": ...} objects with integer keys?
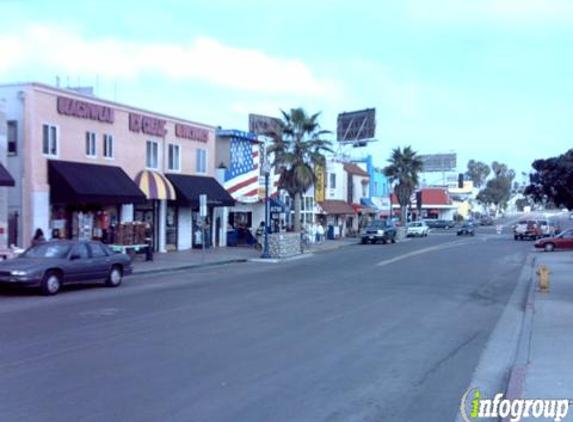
[
  {"x": 51, "y": 283},
  {"x": 515, "y": 237},
  {"x": 364, "y": 241},
  {"x": 549, "y": 247},
  {"x": 384, "y": 241},
  {"x": 393, "y": 240},
  {"x": 115, "y": 276}
]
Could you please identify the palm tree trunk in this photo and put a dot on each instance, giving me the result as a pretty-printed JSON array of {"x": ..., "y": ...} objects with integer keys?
[
  {"x": 297, "y": 206},
  {"x": 404, "y": 215}
]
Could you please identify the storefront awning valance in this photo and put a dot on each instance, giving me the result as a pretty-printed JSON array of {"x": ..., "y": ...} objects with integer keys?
[
  {"x": 189, "y": 188},
  {"x": 72, "y": 182},
  {"x": 336, "y": 207},
  {"x": 367, "y": 202},
  {"x": 5, "y": 178},
  {"x": 155, "y": 185},
  {"x": 276, "y": 205}
]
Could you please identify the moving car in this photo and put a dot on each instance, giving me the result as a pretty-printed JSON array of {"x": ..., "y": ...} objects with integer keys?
[
  {"x": 440, "y": 224},
  {"x": 417, "y": 228},
  {"x": 564, "y": 240},
  {"x": 379, "y": 230},
  {"x": 50, "y": 265},
  {"x": 467, "y": 229}
]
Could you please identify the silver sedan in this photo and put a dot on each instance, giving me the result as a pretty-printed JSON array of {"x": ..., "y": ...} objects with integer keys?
[{"x": 50, "y": 265}]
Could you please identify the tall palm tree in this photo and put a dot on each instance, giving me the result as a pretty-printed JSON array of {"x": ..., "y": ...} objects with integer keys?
[
  {"x": 297, "y": 147},
  {"x": 403, "y": 170}
]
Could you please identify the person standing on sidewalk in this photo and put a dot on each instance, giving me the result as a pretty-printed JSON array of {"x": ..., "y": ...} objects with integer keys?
[
  {"x": 320, "y": 232},
  {"x": 259, "y": 234}
]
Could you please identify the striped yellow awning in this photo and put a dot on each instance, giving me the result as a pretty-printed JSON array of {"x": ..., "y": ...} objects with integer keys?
[{"x": 154, "y": 185}]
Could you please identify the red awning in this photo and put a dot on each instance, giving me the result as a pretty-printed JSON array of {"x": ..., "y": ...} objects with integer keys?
[{"x": 336, "y": 207}]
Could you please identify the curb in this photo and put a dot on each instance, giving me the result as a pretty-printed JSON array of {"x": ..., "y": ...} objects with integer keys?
[
  {"x": 281, "y": 260},
  {"x": 499, "y": 368},
  {"x": 189, "y": 267},
  {"x": 518, "y": 371}
]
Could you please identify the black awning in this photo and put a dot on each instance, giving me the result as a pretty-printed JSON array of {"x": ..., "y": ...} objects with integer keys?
[
  {"x": 189, "y": 188},
  {"x": 5, "y": 178},
  {"x": 91, "y": 183}
]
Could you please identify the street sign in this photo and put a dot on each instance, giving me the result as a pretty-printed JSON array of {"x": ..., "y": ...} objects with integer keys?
[{"x": 203, "y": 205}]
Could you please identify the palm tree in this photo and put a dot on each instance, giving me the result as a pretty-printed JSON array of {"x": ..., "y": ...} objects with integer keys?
[
  {"x": 403, "y": 170},
  {"x": 297, "y": 147}
]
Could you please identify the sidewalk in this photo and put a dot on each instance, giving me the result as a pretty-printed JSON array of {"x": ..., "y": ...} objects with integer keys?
[
  {"x": 173, "y": 261},
  {"x": 546, "y": 370}
]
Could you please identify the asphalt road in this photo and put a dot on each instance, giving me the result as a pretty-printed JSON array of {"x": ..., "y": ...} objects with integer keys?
[{"x": 364, "y": 333}]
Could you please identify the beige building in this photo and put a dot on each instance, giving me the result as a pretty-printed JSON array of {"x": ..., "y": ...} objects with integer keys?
[{"x": 87, "y": 164}]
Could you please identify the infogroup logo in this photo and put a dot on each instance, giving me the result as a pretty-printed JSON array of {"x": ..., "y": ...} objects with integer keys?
[{"x": 473, "y": 407}]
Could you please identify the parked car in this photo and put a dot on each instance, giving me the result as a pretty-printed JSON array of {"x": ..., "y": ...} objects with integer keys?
[
  {"x": 564, "y": 240},
  {"x": 417, "y": 228},
  {"x": 527, "y": 229},
  {"x": 546, "y": 228},
  {"x": 435, "y": 223},
  {"x": 467, "y": 229},
  {"x": 379, "y": 231},
  {"x": 50, "y": 265}
]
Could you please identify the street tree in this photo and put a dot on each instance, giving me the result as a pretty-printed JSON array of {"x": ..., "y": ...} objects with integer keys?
[
  {"x": 553, "y": 180},
  {"x": 477, "y": 172},
  {"x": 298, "y": 146},
  {"x": 403, "y": 171},
  {"x": 497, "y": 190}
]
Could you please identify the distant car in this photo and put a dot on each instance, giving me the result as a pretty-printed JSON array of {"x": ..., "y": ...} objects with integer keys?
[
  {"x": 467, "y": 229},
  {"x": 50, "y": 265},
  {"x": 435, "y": 223},
  {"x": 379, "y": 231},
  {"x": 417, "y": 228},
  {"x": 564, "y": 240},
  {"x": 486, "y": 220}
]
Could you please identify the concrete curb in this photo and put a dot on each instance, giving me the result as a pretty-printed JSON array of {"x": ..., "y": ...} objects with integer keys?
[
  {"x": 498, "y": 365},
  {"x": 518, "y": 372},
  {"x": 189, "y": 267},
  {"x": 281, "y": 260}
]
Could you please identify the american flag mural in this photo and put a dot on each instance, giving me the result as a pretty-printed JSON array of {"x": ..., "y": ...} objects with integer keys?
[{"x": 242, "y": 176}]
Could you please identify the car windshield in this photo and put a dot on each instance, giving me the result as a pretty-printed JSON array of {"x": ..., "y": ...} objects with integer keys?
[{"x": 48, "y": 250}]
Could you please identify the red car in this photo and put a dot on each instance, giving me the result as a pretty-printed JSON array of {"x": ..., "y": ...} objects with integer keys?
[{"x": 562, "y": 241}]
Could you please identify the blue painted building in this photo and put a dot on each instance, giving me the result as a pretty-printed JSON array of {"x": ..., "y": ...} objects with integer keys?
[{"x": 379, "y": 185}]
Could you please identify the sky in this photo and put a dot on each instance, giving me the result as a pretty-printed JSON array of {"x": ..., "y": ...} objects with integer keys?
[{"x": 487, "y": 79}]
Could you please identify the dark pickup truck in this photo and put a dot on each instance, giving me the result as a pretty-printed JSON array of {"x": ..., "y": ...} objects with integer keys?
[{"x": 379, "y": 231}]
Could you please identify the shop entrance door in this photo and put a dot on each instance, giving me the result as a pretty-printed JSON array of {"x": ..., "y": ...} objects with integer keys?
[{"x": 171, "y": 228}]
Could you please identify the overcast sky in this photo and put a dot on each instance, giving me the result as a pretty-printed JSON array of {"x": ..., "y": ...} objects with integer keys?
[{"x": 488, "y": 79}]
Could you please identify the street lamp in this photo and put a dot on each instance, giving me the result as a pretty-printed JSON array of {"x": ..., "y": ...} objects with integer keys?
[{"x": 266, "y": 171}]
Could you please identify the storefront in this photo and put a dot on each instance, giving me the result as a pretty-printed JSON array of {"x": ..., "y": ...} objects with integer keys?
[
  {"x": 87, "y": 201},
  {"x": 336, "y": 214},
  {"x": 159, "y": 210},
  {"x": 203, "y": 231}
]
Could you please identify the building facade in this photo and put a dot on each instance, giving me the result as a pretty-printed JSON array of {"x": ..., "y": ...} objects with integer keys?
[{"x": 87, "y": 165}]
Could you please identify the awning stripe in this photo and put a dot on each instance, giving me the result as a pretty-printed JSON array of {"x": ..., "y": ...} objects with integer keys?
[{"x": 155, "y": 185}]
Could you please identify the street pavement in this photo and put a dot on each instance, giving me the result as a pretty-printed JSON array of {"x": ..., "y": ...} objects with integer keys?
[{"x": 361, "y": 333}]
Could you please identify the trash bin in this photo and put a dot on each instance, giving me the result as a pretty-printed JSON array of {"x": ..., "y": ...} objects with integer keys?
[
  {"x": 232, "y": 238},
  {"x": 330, "y": 232}
]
